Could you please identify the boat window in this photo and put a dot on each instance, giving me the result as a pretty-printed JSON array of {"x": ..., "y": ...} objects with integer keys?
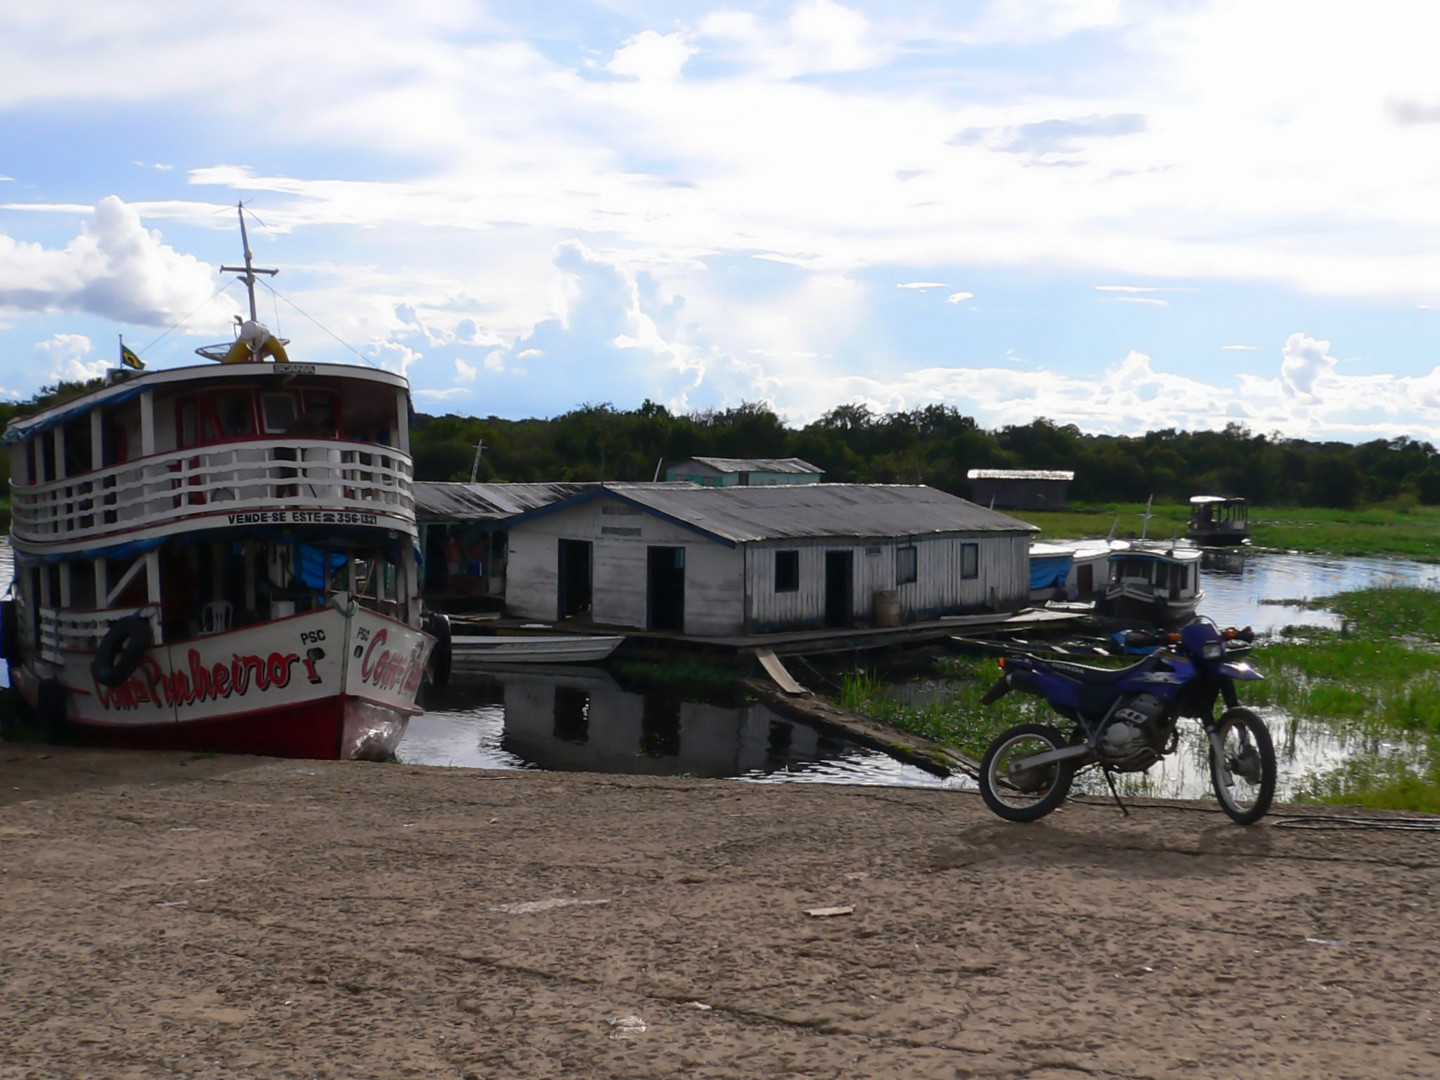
[
  {"x": 234, "y": 414},
  {"x": 78, "y": 458},
  {"x": 189, "y": 434},
  {"x": 279, "y": 411},
  {"x": 969, "y": 561},
  {"x": 320, "y": 407},
  {"x": 46, "y": 445},
  {"x": 905, "y": 565}
]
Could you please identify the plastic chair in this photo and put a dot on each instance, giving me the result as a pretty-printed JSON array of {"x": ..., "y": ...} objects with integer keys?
[{"x": 215, "y": 617}]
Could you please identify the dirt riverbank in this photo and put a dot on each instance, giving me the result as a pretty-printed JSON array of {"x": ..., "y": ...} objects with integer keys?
[{"x": 231, "y": 917}]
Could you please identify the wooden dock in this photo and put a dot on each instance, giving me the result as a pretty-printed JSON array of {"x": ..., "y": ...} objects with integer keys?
[{"x": 820, "y": 641}]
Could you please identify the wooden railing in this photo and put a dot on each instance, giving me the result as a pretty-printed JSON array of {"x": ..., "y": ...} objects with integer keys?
[
  {"x": 234, "y": 477},
  {"x": 65, "y": 630}
]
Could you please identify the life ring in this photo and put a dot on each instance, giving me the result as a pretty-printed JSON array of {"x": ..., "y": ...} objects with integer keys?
[
  {"x": 121, "y": 649},
  {"x": 439, "y": 626}
]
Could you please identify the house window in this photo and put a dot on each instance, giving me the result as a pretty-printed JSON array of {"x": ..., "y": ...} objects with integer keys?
[
  {"x": 969, "y": 561},
  {"x": 787, "y": 571},
  {"x": 905, "y": 567}
]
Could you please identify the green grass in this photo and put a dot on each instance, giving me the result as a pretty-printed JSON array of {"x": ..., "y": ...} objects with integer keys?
[
  {"x": 1377, "y": 676},
  {"x": 1400, "y": 529},
  {"x": 955, "y": 718}
]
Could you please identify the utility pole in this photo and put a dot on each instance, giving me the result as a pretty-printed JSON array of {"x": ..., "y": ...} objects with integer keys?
[{"x": 475, "y": 465}]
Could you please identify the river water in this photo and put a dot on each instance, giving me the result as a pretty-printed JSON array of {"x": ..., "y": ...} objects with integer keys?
[{"x": 581, "y": 718}]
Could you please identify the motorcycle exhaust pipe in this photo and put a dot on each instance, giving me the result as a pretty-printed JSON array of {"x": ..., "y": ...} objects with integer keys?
[
  {"x": 1049, "y": 757},
  {"x": 1024, "y": 681}
]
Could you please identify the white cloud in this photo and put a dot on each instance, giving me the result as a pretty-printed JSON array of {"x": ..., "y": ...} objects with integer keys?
[
  {"x": 115, "y": 268},
  {"x": 66, "y": 356},
  {"x": 923, "y": 285},
  {"x": 1241, "y": 348},
  {"x": 393, "y": 356},
  {"x": 652, "y": 57},
  {"x": 1305, "y": 362},
  {"x": 1142, "y": 300},
  {"x": 465, "y": 372},
  {"x": 442, "y": 395},
  {"x": 960, "y": 297}
]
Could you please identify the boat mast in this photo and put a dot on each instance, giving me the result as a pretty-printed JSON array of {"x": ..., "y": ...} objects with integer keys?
[{"x": 249, "y": 270}]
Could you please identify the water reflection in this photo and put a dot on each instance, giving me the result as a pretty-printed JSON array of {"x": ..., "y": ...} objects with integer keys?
[
  {"x": 581, "y": 720},
  {"x": 1246, "y": 588}
]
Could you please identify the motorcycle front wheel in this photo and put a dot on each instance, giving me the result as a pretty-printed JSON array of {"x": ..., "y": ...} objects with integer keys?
[
  {"x": 1021, "y": 793},
  {"x": 1242, "y": 765}
]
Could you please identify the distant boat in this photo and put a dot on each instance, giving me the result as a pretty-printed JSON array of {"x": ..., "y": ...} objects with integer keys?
[
  {"x": 532, "y": 649},
  {"x": 1153, "y": 582},
  {"x": 1073, "y": 572},
  {"x": 1216, "y": 520}
]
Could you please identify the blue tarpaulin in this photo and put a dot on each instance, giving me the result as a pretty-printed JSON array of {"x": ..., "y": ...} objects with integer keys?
[{"x": 1049, "y": 571}]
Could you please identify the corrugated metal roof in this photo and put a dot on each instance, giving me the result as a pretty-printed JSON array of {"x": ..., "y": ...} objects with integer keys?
[
  {"x": 738, "y": 465},
  {"x": 740, "y": 514},
  {"x": 1020, "y": 474},
  {"x": 487, "y": 502}
]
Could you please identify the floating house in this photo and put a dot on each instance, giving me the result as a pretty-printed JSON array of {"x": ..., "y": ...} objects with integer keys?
[
  {"x": 744, "y": 472},
  {"x": 741, "y": 560},
  {"x": 462, "y": 532},
  {"x": 1021, "y": 489}
]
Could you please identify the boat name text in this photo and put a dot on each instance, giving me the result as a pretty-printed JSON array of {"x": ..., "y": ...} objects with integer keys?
[
  {"x": 200, "y": 683},
  {"x": 392, "y": 670}
]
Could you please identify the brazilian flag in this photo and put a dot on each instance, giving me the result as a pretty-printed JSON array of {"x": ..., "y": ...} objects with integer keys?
[{"x": 129, "y": 359}]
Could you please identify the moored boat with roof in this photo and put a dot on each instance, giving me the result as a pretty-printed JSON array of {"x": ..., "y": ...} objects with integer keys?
[{"x": 220, "y": 557}]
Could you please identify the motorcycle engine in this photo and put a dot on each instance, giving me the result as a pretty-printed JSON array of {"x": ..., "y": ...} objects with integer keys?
[{"x": 1132, "y": 738}]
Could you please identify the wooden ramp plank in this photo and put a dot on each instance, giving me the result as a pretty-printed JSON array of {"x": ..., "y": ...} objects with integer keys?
[{"x": 776, "y": 670}]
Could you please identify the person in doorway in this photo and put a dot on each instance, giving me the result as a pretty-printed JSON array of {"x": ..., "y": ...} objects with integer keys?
[{"x": 453, "y": 567}]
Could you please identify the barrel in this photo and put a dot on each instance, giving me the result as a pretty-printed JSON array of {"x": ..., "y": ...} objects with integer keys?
[{"x": 887, "y": 607}]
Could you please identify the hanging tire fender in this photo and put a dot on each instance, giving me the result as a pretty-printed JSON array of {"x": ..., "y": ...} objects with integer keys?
[
  {"x": 438, "y": 626},
  {"x": 120, "y": 650}
]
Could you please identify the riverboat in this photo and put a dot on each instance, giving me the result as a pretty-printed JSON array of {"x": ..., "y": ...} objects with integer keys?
[
  {"x": 1216, "y": 520},
  {"x": 220, "y": 557},
  {"x": 1152, "y": 582},
  {"x": 1074, "y": 572}
]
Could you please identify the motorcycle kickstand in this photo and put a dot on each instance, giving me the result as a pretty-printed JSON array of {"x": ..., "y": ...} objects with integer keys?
[{"x": 1110, "y": 779}]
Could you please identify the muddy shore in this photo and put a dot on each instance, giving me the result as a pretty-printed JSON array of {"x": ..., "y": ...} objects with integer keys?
[{"x": 167, "y": 915}]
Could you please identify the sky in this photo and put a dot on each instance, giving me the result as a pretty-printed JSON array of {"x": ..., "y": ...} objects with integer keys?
[{"x": 1123, "y": 216}]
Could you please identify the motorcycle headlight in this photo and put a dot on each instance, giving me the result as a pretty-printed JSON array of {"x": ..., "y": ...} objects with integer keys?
[{"x": 1213, "y": 650}]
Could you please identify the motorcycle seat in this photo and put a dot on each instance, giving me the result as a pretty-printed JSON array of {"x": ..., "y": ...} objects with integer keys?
[{"x": 1093, "y": 676}]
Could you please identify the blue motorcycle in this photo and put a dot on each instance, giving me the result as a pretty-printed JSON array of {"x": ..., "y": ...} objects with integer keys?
[{"x": 1126, "y": 719}]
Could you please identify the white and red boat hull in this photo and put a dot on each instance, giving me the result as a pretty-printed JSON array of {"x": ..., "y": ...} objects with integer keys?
[{"x": 321, "y": 684}]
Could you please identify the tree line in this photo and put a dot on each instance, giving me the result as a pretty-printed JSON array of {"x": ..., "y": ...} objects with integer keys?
[{"x": 935, "y": 445}]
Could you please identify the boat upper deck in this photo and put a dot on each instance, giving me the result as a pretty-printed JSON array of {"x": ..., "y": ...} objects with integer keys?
[{"x": 201, "y": 448}]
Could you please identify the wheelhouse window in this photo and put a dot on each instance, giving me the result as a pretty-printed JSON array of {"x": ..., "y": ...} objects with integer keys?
[
  {"x": 906, "y": 569},
  {"x": 969, "y": 561},
  {"x": 201, "y": 419},
  {"x": 279, "y": 412},
  {"x": 787, "y": 571}
]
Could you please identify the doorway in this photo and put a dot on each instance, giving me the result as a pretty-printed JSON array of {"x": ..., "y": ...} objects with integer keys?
[
  {"x": 576, "y": 572},
  {"x": 665, "y": 589},
  {"x": 839, "y": 587}
]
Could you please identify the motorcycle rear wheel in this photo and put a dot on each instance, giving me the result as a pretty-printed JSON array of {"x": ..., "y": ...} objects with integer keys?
[
  {"x": 1247, "y": 757},
  {"x": 1026, "y": 794}
]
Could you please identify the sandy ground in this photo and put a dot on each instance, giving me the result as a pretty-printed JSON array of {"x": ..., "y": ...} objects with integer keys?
[{"x": 232, "y": 917}]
